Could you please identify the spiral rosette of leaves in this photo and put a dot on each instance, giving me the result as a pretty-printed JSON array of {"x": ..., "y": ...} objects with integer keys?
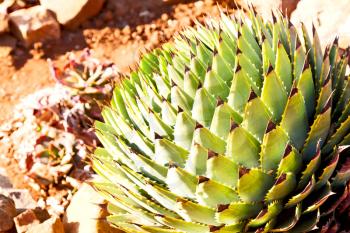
[{"x": 240, "y": 125}]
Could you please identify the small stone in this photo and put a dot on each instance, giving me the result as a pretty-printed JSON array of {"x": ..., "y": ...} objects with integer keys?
[
  {"x": 25, "y": 221},
  {"x": 52, "y": 225},
  {"x": 72, "y": 13},
  {"x": 164, "y": 17},
  {"x": 34, "y": 24},
  {"x": 126, "y": 30}
]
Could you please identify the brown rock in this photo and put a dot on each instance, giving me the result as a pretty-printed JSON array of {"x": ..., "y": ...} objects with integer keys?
[
  {"x": 52, "y": 225},
  {"x": 25, "y": 221},
  {"x": 73, "y": 13},
  {"x": 34, "y": 24},
  {"x": 7, "y": 213},
  {"x": 90, "y": 220},
  {"x": 330, "y": 19}
]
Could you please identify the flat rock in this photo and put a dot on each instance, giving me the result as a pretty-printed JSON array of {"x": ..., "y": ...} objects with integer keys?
[
  {"x": 73, "y": 13},
  {"x": 85, "y": 214},
  {"x": 52, "y": 225},
  {"x": 35, "y": 24},
  {"x": 329, "y": 17}
]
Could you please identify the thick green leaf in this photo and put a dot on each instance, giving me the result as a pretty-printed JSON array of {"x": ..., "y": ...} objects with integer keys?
[
  {"x": 276, "y": 102},
  {"x": 256, "y": 117},
  {"x": 294, "y": 119},
  {"x": 253, "y": 185},
  {"x": 209, "y": 141},
  {"x": 237, "y": 211},
  {"x": 203, "y": 107},
  {"x": 212, "y": 194},
  {"x": 243, "y": 148},
  {"x": 222, "y": 170}
]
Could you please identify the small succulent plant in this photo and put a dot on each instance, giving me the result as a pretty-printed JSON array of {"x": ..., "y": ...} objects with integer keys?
[{"x": 240, "y": 125}]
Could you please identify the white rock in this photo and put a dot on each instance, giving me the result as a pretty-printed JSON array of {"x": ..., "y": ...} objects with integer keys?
[
  {"x": 330, "y": 18},
  {"x": 34, "y": 24},
  {"x": 71, "y": 13}
]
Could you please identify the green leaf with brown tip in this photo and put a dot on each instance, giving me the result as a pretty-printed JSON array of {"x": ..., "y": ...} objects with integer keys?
[
  {"x": 203, "y": 107},
  {"x": 196, "y": 163},
  {"x": 318, "y": 132},
  {"x": 239, "y": 92},
  {"x": 256, "y": 117},
  {"x": 254, "y": 185},
  {"x": 266, "y": 215},
  {"x": 237, "y": 212},
  {"x": 244, "y": 46},
  {"x": 211, "y": 193},
  {"x": 181, "y": 182},
  {"x": 215, "y": 85},
  {"x": 208, "y": 140},
  {"x": 180, "y": 99},
  {"x": 243, "y": 148},
  {"x": 283, "y": 186},
  {"x": 273, "y": 147},
  {"x": 310, "y": 169},
  {"x": 222, "y": 170},
  {"x": 294, "y": 119},
  {"x": 222, "y": 120},
  {"x": 255, "y": 78},
  {"x": 307, "y": 89},
  {"x": 166, "y": 151},
  {"x": 223, "y": 69},
  {"x": 276, "y": 102},
  {"x": 194, "y": 212},
  {"x": 283, "y": 68}
]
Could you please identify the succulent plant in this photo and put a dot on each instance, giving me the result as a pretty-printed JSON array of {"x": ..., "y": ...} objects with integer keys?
[{"x": 239, "y": 125}]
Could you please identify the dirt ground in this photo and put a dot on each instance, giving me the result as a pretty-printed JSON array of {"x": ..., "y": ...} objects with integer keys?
[{"x": 120, "y": 33}]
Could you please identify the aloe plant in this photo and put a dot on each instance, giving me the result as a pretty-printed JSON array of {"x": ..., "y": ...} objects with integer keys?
[{"x": 239, "y": 125}]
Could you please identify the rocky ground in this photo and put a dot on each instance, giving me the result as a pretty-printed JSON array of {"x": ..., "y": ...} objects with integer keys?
[{"x": 119, "y": 31}]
